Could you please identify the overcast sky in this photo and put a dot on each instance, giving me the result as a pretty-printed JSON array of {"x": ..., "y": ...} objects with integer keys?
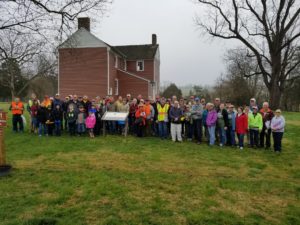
[{"x": 186, "y": 56}]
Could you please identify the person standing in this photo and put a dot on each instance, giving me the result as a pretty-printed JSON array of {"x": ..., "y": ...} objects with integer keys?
[
  {"x": 17, "y": 109},
  {"x": 149, "y": 110},
  {"x": 71, "y": 118},
  {"x": 41, "y": 119},
  {"x": 241, "y": 124},
  {"x": 265, "y": 134},
  {"x": 162, "y": 118},
  {"x": 58, "y": 119},
  {"x": 197, "y": 111},
  {"x": 131, "y": 117},
  {"x": 231, "y": 126},
  {"x": 277, "y": 126},
  {"x": 188, "y": 123},
  {"x": 31, "y": 108},
  {"x": 211, "y": 121},
  {"x": 222, "y": 123},
  {"x": 176, "y": 114},
  {"x": 255, "y": 126},
  {"x": 90, "y": 123},
  {"x": 140, "y": 120},
  {"x": 81, "y": 121}
]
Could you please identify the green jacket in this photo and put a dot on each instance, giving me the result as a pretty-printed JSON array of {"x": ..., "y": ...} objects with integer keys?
[{"x": 255, "y": 122}]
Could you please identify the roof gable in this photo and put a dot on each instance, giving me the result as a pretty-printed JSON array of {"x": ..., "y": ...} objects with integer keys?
[
  {"x": 82, "y": 38},
  {"x": 134, "y": 52}
]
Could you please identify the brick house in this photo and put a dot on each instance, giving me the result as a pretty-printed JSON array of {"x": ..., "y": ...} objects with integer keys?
[{"x": 89, "y": 66}]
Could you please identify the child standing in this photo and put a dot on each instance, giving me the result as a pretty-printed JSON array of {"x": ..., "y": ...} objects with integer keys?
[
  {"x": 140, "y": 120},
  {"x": 241, "y": 123},
  {"x": 71, "y": 118},
  {"x": 81, "y": 121},
  {"x": 50, "y": 120},
  {"x": 277, "y": 126},
  {"x": 33, "y": 114},
  {"x": 90, "y": 123},
  {"x": 41, "y": 116},
  {"x": 58, "y": 117}
]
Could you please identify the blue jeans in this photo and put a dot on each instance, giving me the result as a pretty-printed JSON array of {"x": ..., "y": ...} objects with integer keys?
[
  {"x": 197, "y": 129},
  {"x": 241, "y": 140},
  {"x": 277, "y": 137},
  {"x": 162, "y": 129},
  {"x": 230, "y": 136},
  {"x": 57, "y": 128},
  {"x": 42, "y": 127},
  {"x": 188, "y": 130},
  {"x": 80, "y": 128},
  {"x": 254, "y": 137},
  {"x": 222, "y": 135},
  {"x": 212, "y": 135}
]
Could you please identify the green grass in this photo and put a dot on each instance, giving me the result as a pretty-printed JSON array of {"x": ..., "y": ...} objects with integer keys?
[{"x": 114, "y": 180}]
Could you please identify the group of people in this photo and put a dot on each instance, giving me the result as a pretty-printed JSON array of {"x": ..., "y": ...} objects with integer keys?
[{"x": 192, "y": 119}]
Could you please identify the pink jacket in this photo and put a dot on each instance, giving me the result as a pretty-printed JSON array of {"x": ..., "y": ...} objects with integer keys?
[{"x": 90, "y": 121}]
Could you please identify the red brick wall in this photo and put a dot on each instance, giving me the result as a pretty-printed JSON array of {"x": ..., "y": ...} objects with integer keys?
[
  {"x": 148, "y": 72},
  {"x": 131, "y": 85},
  {"x": 83, "y": 71}
]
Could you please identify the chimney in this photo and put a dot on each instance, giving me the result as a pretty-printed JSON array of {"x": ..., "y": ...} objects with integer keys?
[
  {"x": 154, "y": 39},
  {"x": 84, "y": 22}
]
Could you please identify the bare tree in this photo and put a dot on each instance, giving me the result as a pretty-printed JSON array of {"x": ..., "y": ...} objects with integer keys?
[
  {"x": 41, "y": 16},
  {"x": 22, "y": 60},
  {"x": 268, "y": 29}
]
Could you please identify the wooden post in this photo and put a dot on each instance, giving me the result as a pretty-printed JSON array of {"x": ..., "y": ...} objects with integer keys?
[
  {"x": 104, "y": 126},
  {"x": 2, "y": 148},
  {"x": 3, "y": 120},
  {"x": 126, "y": 127}
]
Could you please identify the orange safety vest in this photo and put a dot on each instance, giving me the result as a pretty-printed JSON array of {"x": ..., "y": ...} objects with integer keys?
[
  {"x": 17, "y": 108},
  {"x": 147, "y": 110}
]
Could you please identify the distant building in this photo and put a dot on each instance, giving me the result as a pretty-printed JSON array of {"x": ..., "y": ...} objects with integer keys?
[{"x": 87, "y": 65}]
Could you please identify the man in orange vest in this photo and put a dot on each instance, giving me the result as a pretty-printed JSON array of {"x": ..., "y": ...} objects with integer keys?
[{"x": 17, "y": 109}]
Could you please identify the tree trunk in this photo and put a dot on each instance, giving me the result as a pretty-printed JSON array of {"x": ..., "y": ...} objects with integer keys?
[{"x": 275, "y": 96}]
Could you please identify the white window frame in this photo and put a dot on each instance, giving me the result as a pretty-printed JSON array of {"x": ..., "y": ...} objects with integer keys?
[
  {"x": 116, "y": 61},
  {"x": 125, "y": 64},
  {"x": 116, "y": 86},
  {"x": 137, "y": 63}
]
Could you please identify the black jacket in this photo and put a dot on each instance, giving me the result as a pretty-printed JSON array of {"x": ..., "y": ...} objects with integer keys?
[
  {"x": 41, "y": 115},
  {"x": 58, "y": 114}
]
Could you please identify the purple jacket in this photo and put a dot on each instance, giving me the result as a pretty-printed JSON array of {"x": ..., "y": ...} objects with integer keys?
[{"x": 211, "y": 119}]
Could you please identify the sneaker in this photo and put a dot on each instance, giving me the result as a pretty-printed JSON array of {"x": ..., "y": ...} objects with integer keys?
[
  {"x": 221, "y": 145},
  {"x": 241, "y": 148}
]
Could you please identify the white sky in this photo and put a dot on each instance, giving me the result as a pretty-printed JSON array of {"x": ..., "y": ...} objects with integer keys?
[{"x": 186, "y": 56}]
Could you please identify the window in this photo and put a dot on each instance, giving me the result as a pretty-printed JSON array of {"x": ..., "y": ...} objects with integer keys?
[
  {"x": 116, "y": 87},
  {"x": 140, "y": 65}
]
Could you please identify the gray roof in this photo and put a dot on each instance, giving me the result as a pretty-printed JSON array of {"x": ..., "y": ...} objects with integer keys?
[{"x": 134, "y": 52}]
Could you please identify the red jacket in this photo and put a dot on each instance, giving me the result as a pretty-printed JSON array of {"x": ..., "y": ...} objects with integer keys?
[
  {"x": 241, "y": 123},
  {"x": 141, "y": 115}
]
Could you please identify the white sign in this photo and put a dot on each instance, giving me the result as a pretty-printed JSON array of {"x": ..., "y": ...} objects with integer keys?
[{"x": 115, "y": 116}]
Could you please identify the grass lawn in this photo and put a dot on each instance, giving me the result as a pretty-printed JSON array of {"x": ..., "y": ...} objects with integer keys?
[{"x": 114, "y": 180}]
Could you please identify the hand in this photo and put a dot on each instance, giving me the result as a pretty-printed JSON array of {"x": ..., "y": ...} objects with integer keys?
[{"x": 225, "y": 128}]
